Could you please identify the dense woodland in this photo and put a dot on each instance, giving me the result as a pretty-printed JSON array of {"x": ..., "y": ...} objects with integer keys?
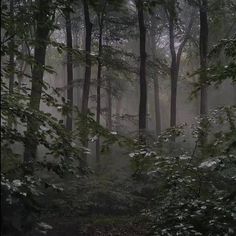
[{"x": 118, "y": 117}]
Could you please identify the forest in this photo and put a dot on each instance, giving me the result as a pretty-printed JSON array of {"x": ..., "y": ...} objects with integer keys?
[{"x": 118, "y": 117}]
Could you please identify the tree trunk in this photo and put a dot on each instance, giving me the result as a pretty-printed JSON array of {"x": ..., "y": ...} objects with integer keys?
[
  {"x": 203, "y": 55},
  {"x": 175, "y": 60},
  {"x": 11, "y": 56},
  {"x": 87, "y": 76},
  {"x": 142, "y": 70},
  {"x": 173, "y": 72},
  {"x": 155, "y": 80},
  {"x": 157, "y": 106},
  {"x": 69, "y": 68},
  {"x": 118, "y": 110},
  {"x": 41, "y": 36},
  {"x": 109, "y": 105},
  {"x": 99, "y": 73},
  {"x": 203, "y": 42},
  {"x": 11, "y": 62}
]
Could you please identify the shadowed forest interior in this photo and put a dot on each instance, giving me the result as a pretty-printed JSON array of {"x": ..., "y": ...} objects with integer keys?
[{"x": 118, "y": 117}]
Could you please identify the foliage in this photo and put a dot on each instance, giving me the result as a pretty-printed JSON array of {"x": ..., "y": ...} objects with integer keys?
[
  {"x": 217, "y": 73},
  {"x": 191, "y": 194}
]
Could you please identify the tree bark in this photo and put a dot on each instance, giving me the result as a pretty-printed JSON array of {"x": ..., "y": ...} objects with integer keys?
[
  {"x": 142, "y": 70},
  {"x": 69, "y": 67},
  {"x": 41, "y": 37}
]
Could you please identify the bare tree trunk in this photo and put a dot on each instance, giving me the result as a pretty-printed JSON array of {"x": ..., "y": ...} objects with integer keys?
[
  {"x": 41, "y": 36},
  {"x": 203, "y": 38},
  {"x": 142, "y": 70},
  {"x": 69, "y": 67},
  {"x": 109, "y": 105},
  {"x": 155, "y": 80}
]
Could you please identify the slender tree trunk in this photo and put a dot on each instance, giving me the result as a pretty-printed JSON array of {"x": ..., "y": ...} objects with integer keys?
[
  {"x": 157, "y": 106},
  {"x": 173, "y": 73},
  {"x": 155, "y": 80},
  {"x": 203, "y": 67},
  {"x": 203, "y": 55},
  {"x": 118, "y": 109},
  {"x": 109, "y": 105},
  {"x": 142, "y": 70},
  {"x": 175, "y": 61},
  {"x": 11, "y": 62},
  {"x": 87, "y": 76},
  {"x": 41, "y": 36},
  {"x": 69, "y": 67},
  {"x": 99, "y": 73},
  {"x": 11, "y": 56}
]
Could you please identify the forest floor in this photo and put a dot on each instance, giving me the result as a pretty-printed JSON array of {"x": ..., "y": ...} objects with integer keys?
[
  {"x": 95, "y": 206},
  {"x": 97, "y": 225}
]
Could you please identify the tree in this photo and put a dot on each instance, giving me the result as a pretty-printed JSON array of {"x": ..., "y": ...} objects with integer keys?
[
  {"x": 175, "y": 56},
  {"x": 87, "y": 75},
  {"x": 69, "y": 64},
  {"x": 155, "y": 79},
  {"x": 43, "y": 17},
  {"x": 142, "y": 68},
  {"x": 100, "y": 15},
  {"x": 11, "y": 56},
  {"x": 109, "y": 102},
  {"x": 203, "y": 43},
  {"x": 203, "y": 51}
]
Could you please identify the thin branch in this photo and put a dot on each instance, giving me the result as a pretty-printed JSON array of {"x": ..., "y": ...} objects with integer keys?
[{"x": 8, "y": 39}]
